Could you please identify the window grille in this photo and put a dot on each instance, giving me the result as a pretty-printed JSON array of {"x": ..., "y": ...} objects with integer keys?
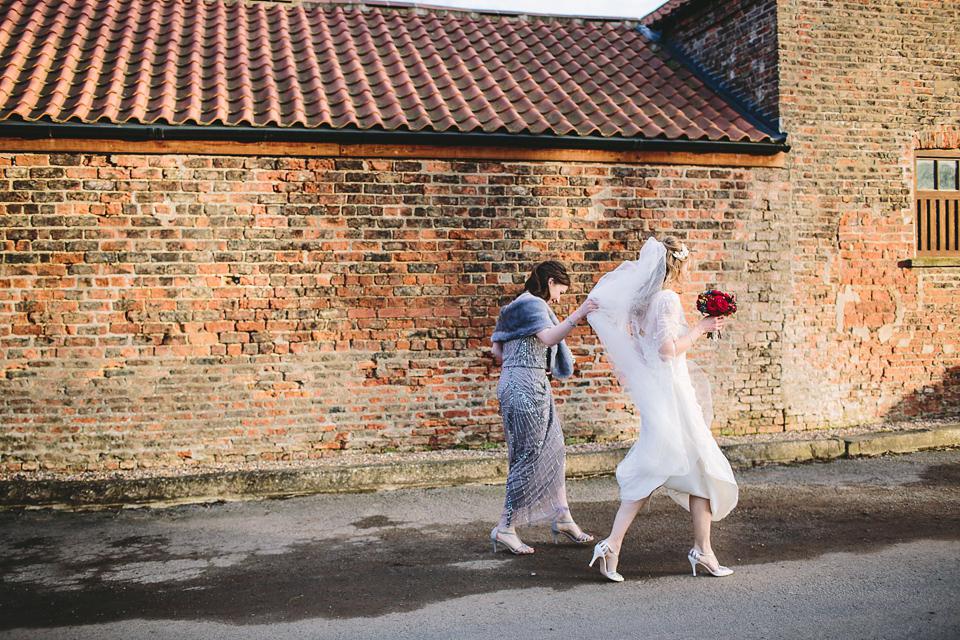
[{"x": 938, "y": 206}]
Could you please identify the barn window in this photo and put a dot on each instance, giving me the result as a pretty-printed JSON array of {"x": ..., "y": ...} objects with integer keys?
[{"x": 938, "y": 205}]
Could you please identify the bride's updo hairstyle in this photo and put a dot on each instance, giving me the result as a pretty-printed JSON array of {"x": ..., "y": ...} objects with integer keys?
[
  {"x": 674, "y": 264},
  {"x": 541, "y": 274}
]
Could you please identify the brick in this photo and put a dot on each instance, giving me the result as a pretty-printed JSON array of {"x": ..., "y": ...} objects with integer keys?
[{"x": 220, "y": 311}]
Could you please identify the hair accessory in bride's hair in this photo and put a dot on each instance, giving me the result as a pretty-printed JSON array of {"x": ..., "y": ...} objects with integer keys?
[{"x": 683, "y": 254}]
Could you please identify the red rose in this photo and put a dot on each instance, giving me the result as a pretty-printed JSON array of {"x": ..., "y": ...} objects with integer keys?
[
  {"x": 712, "y": 305},
  {"x": 722, "y": 305}
]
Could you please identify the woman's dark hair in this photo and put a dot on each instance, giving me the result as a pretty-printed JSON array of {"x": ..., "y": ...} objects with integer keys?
[{"x": 537, "y": 282}]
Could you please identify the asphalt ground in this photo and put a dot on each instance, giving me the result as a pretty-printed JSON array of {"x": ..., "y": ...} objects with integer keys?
[{"x": 851, "y": 548}]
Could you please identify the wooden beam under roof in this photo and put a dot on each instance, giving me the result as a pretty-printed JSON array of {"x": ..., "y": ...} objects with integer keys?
[{"x": 385, "y": 151}]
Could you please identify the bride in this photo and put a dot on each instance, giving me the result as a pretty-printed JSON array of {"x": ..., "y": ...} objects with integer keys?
[{"x": 646, "y": 338}]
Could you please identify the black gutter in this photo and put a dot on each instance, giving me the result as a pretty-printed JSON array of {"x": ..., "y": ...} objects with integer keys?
[
  {"x": 676, "y": 51},
  {"x": 318, "y": 135}
]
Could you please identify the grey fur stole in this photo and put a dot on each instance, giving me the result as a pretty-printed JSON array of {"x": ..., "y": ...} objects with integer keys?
[{"x": 528, "y": 315}]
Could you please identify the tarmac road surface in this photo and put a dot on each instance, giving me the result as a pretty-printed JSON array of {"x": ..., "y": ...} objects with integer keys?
[{"x": 854, "y": 548}]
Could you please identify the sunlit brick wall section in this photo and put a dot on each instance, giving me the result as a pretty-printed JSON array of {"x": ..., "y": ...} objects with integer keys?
[
  {"x": 183, "y": 310},
  {"x": 863, "y": 85},
  {"x": 860, "y": 87}
]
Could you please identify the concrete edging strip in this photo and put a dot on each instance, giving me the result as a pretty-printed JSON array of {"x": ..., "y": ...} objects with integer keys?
[
  {"x": 757, "y": 453},
  {"x": 249, "y": 485},
  {"x": 903, "y": 441}
]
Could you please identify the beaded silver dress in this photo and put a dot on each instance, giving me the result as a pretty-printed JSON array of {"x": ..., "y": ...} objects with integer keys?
[{"x": 536, "y": 489}]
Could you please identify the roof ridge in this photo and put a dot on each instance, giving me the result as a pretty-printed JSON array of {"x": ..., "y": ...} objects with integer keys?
[{"x": 439, "y": 9}]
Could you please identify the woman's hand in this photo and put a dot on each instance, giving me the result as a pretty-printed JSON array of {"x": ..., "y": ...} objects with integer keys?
[
  {"x": 709, "y": 324},
  {"x": 589, "y": 306}
]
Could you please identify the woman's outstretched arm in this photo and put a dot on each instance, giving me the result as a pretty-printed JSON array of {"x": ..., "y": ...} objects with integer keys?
[{"x": 558, "y": 332}]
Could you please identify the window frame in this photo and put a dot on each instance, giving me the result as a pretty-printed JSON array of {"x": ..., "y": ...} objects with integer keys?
[{"x": 936, "y": 212}]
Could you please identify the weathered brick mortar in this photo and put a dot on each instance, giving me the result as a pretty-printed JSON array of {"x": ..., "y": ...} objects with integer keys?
[
  {"x": 170, "y": 310},
  {"x": 862, "y": 86},
  {"x": 159, "y": 310}
]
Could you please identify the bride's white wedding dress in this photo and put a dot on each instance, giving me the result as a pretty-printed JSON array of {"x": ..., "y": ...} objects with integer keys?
[{"x": 637, "y": 322}]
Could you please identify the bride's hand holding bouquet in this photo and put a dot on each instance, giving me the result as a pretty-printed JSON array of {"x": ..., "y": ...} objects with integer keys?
[
  {"x": 710, "y": 325},
  {"x": 715, "y": 305}
]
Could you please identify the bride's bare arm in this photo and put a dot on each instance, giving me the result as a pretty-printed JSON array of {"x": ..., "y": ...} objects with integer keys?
[
  {"x": 497, "y": 350},
  {"x": 671, "y": 348}
]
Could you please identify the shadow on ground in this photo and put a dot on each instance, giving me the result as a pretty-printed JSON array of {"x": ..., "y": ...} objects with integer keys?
[{"x": 395, "y": 568}]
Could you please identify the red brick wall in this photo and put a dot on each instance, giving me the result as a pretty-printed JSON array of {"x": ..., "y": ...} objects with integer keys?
[
  {"x": 862, "y": 83},
  {"x": 168, "y": 310},
  {"x": 736, "y": 42},
  {"x": 164, "y": 310}
]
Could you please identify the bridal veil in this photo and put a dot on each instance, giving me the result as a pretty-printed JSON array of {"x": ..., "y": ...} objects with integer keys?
[{"x": 674, "y": 447}]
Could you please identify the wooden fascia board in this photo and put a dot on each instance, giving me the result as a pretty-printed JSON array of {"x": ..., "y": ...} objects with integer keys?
[{"x": 412, "y": 152}]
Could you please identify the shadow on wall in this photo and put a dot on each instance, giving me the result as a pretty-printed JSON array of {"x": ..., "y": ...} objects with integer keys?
[{"x": 939, "y": 400}]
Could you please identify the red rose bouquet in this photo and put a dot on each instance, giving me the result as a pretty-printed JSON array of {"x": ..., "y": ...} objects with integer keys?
[{"x": 716, "y": 303}]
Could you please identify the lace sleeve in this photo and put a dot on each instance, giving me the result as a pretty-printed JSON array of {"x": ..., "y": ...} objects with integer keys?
[{"x": 669, "y": 324}]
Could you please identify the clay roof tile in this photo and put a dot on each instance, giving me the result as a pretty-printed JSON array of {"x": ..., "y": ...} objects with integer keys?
[{"x": 251, "y": 64}]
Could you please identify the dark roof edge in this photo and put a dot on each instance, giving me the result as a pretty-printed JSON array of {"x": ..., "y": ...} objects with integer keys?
[
  {"x": 441, "y": 9},
  {"x": 676, "y": 51},
  {"x": 674, "y": 15},
  {"x": 145, "y": 132}
]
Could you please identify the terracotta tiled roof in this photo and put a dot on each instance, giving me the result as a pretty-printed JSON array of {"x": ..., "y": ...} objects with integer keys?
[{"x": 358, "y": 67}]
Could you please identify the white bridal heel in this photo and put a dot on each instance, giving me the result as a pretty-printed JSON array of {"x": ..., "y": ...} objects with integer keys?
[
  {"x": 600, "y": 551},
  {"x": 521, "y": 550},
  {"x": 694, "y": 557}
]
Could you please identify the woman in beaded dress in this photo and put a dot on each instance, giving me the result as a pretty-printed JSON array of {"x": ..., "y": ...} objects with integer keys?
[
  {"x": 528, "y": 340},
  {"x": 641, "y": 325}
]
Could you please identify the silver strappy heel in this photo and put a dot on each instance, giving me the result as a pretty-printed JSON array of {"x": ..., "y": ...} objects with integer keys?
[
  {"x": 520, "y": 550},
  {"x": 583, "y": 538}
]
